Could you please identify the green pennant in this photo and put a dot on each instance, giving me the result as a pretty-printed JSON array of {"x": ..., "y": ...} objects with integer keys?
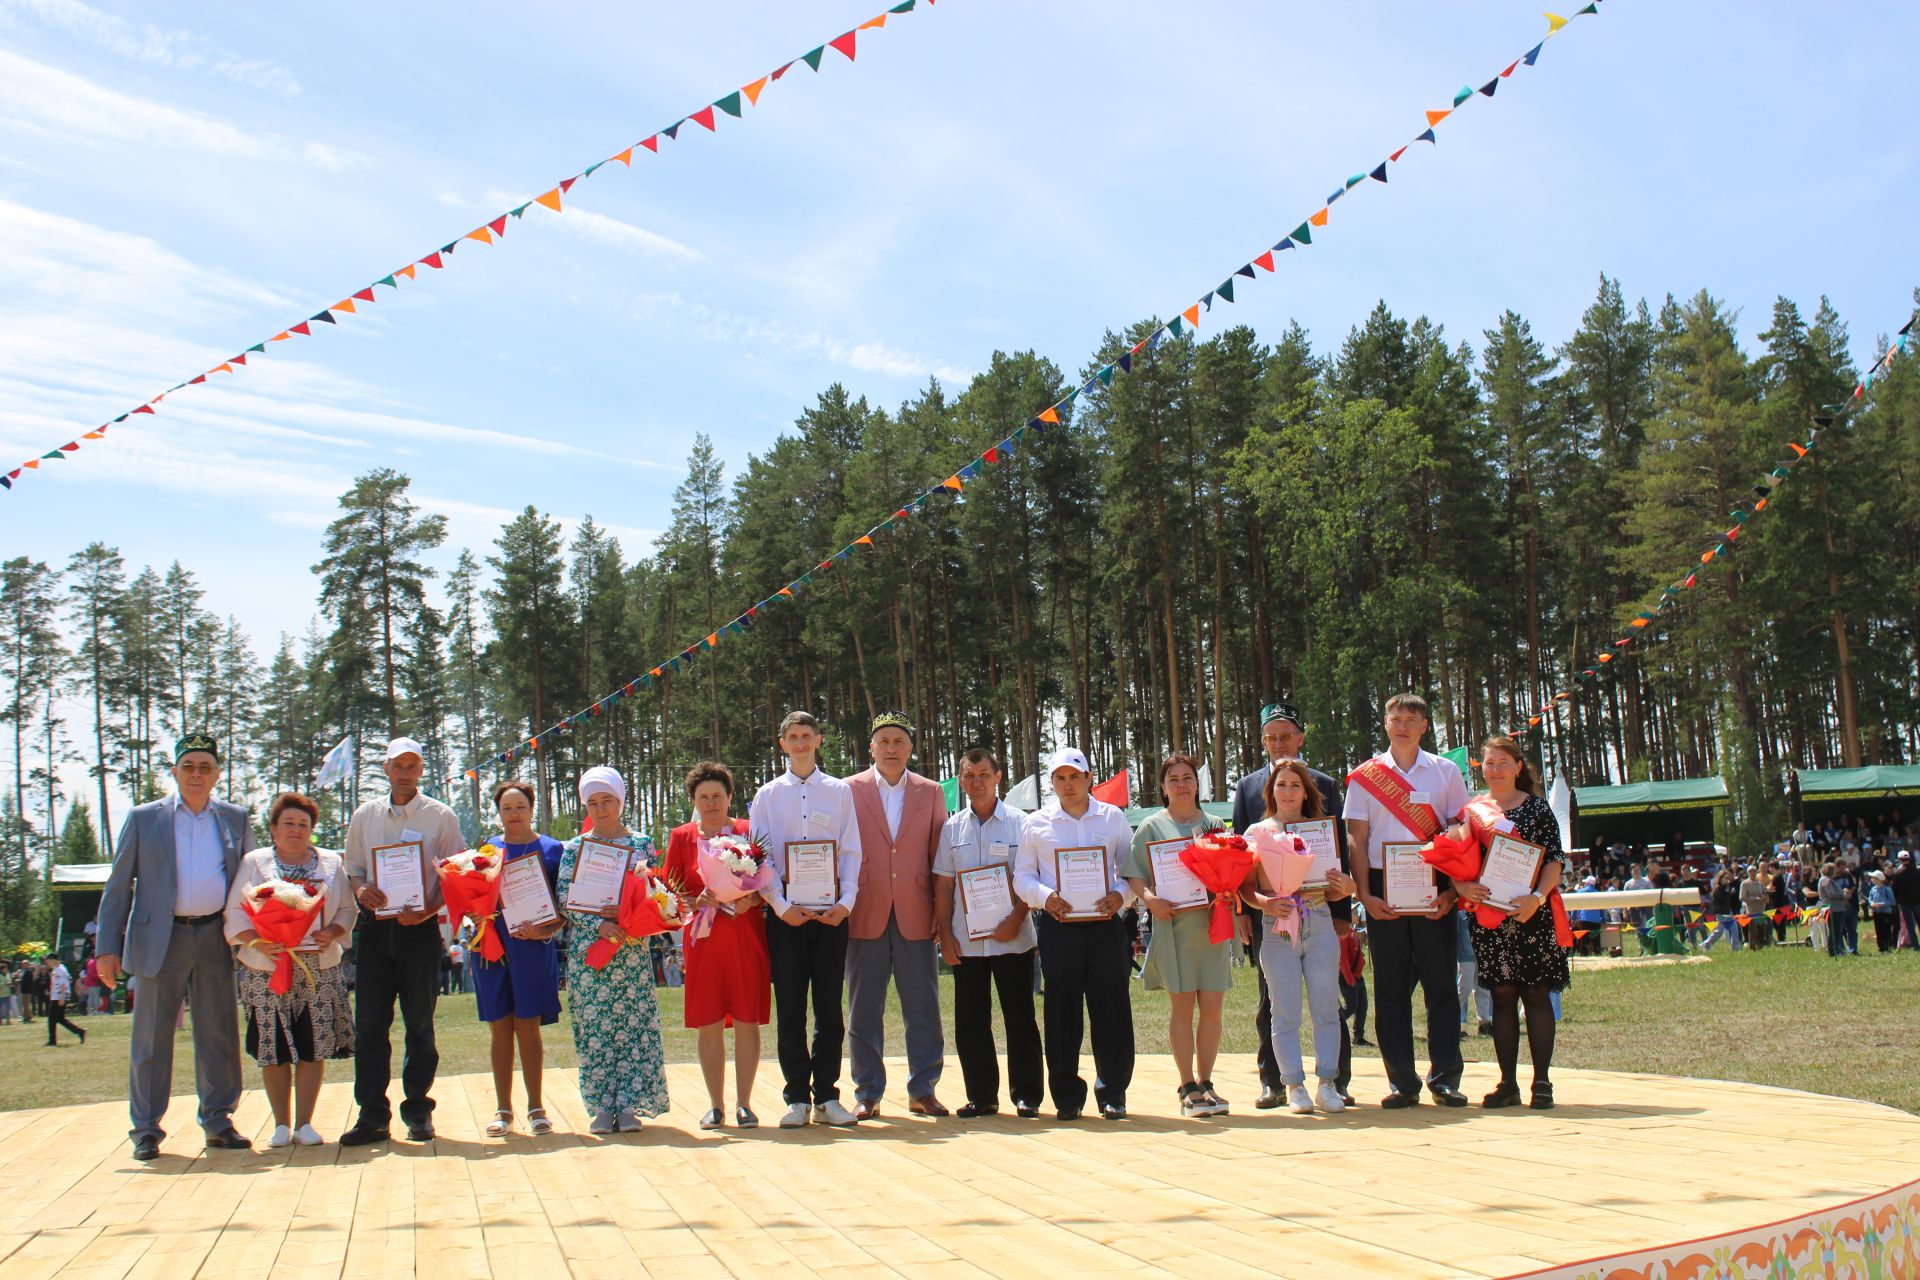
[
  {"x": 55, "y": 454},
  {"x": 520, "y": 210},
  {"x": 388, "y": 281},
  {"x": 258, "y": 346},
  {"x": 951, "y": 787},
  {"x": 1356, "y": 180},
  {"x": 729, "y": 104},
  {"x": 905, "y": 6},
  {"x": 1106, "y": 376},
  {"x": 812, "y": 59},
  {"x": 1174, "y": 326},
  {"x": 588, "y": 171},
  {"x": 1302, "y": 234},
  {"x": 1466, "y": 91},
  {"x": 1592, "y": 8},
  {"x": 1225, "y": 290}
]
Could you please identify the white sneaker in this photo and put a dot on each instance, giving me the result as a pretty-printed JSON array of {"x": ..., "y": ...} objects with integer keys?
[
  {"x": 1327, "y": 1097},
  {"x": 831, "y": 1112},
  {"x": 1297, "y": 1100},
  {"x": 796, "y": 1117},
  {"x": 282, "y": 1136},
  {"x": 307, "y": 1136},
  {"x": 602, "y": 1122}
]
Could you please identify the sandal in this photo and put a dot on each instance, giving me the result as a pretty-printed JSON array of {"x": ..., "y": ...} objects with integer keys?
[
  {"x": 1193, "y": 1100},
  {"x": 538, "y": 1123},
  {"x": 1214, "y": 1100},
  {"x": 501, "y": 1125}
]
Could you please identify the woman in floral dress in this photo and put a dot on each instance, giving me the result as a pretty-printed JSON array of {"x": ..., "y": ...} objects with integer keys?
[{"x": 616, "y": 1018}]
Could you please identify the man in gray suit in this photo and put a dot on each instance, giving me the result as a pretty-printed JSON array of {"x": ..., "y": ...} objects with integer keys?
[{"x": 162, "y": 920}]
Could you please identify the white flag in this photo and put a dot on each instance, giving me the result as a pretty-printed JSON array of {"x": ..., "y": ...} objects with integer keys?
[
  {"x": 338, "y": 764},
  {"x": 1025, "y": 793},
  {"x": 1560, "y": 800}
]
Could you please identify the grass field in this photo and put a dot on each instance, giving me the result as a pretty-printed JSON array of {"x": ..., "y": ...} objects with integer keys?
[{"x": 1783, "y": 1016}]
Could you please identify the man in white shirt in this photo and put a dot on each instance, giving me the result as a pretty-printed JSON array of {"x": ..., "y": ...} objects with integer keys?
[
  {"x": 397, "y": 954},
  {"x": 807, "y": 945},
  {"x": 1406, "y": 794},
  {"x": 1086, "y": 954},
  {"x": 986, "y": 833},
  {"x": 163, "y": 920}
]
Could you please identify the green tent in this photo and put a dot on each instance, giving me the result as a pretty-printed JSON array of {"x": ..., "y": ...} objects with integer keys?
[
  {"x": 1873, "y": 791},
  {"x": 1648, "y": 811}
]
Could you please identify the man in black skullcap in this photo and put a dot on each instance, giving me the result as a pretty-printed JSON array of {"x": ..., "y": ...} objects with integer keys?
[{"x": 162, "y": 919}]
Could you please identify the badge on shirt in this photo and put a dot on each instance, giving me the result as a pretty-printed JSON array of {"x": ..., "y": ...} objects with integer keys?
[
  {"x": 1419, "y": 797},
  {"x": 1504, "y": 825},
  {"x": 819, "y": 819},
  {"x": 410, "y": 836},
  {"x": 1000, "y": 851}
]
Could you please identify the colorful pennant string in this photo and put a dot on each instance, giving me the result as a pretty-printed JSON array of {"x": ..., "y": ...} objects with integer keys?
[
  {"x": 488, "y": 232},
  {"x": 1640, "y": 628},
  {"x": 1184, "y": 320}
]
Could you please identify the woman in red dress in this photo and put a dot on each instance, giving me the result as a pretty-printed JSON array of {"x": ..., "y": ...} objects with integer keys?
[{"x": 728, "y": 981}]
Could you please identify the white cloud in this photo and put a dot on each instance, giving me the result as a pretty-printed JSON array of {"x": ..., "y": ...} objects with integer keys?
[
  {"x": 145, "y": 43},
  {"x": 46, "y": 98},
  {"x": 598, "y": 228},
  {"x": 720, "y": 325}
]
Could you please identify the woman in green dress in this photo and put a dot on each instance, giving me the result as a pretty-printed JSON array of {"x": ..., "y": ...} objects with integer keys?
[
  {"x": 616, "y": 1019},
  {"x": 1194, "y": 972}
]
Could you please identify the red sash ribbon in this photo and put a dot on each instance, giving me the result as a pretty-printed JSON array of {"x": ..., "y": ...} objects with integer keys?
[
  {"x": 1481, "y": 814},
  {"x": 1391, "y": 790}
]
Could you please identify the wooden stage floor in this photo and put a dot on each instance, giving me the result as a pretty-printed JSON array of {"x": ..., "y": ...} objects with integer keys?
[{"x": 1626, "y": 1162}]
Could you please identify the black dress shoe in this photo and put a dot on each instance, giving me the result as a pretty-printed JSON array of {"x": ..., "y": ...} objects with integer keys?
[
  {"x": 1449, "y": 1097},
  {"x": 1067, "y": 1113},
  {"x": 1026, "y": 1111},
  {"x": 420, "y": 1131},
  {"x": 1542, "y": 1096},
  {"x": 146, "y": 1148},
  {"x": 1397, "y": 1100},
  {"x": 364, "y": 1134},
  {"x": 1112, "y": 1111},
  {"x": 229, "y": 1139},
  {"x": 1348, "y": 1099},
  {"x": 1506, "y": 1094},
  {"x": 1269, "y": 1098},
  {"x": 969, "y": 1110}
]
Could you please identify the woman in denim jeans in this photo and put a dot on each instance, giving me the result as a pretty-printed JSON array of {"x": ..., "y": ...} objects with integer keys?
[{"x": 1311, "y": 955}]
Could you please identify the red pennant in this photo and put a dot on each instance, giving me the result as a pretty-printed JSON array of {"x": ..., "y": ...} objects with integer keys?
[
  {"x": 782, "y": 71},
  {"x": 433, "y": 259},
  {"x": 196, "y": 381},
  {"x": 1113, "y": 790},
  {"x": 1510, "y": 67},
  {"x": 844, "y": 44},
  {"x": 366, "y": 294},
  {"x": 1396, "y": 155},
  {"x": 302, "y": 329},
  {"x": 704, "y": 118},
  {"x": 652, "y": 144},
  {"x": 1265, "y": 260},
  {"x": 145, "y": 408},
  {"x": 499, "y": 225},
  {"x": 241, "y": 359},
  {"x": 566, "y": 184}
]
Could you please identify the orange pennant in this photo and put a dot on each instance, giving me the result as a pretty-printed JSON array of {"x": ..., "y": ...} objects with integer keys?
[
  {"x": 94, "y": 435},
  {"x": 407, "y": 271},
  {"x": 753, "y": 90},
  {"x": 31, "y": 464},
  {"x": 226, "y": 368},
  {"x": 1435, "y": 117},
  {"x": 880, "y": 21},
  {"x": 481, "y": 234},
  {"x": 346, "y": 305},
  {"x": 1051, "y": 415},
  {"x": 279, "y": 337},
  {"x": 951, "y": 482},
  {"x": 626, "y": 157},
  {"x": 864, "y": 540},
  {"x": 551, "y": 199},
  {"x": 1192, "y": 314},
  {"x": 784, "y": 591},
  {"x": 1319, "y": 219}
]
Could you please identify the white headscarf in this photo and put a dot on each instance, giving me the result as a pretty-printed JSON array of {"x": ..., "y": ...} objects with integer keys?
[{"x": 602, "y": 778}]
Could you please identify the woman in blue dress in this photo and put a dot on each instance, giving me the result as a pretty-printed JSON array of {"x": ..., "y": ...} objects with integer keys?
[{"x": 519, "y": 995}]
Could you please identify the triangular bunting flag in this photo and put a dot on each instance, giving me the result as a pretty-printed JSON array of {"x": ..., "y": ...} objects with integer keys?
[
  {"x": 327, "y": 316},
  {"x": 704, "y": 118},
  {"x": 651, "y": 143},
  {"x": 1466, "y": 91},
  {"x": 1319, "y": 219},
  {"x": 844, "y": 44},
  {"x": 365, "y": 295},
  {"x": 878, "y": 20},
  {"x": 498, "y": 226},
  {"x": 346, "y": 305},
  {"x": 302, "y": 330},
  {"x": 1395, "y": 157},
  {"x": 1050, "y": 415},
  {"x": 1301, "y": 235},
  {"x": 550, "y": 199},
  {"x": 1427, "y": 137},
  {"x": 753, "y": 91},
  {"x": 1379, "y": 173},
  {"x": 625, "y": 157},
  {"x": 566, "y": 184},
  {"x": 1435, "y": 117},
  {"x": 1284, "y": 245},
  {"x": 1225, "y": 290},
  {"x": 1554, "y": 22},
  {"x": 1192, "y": 314},
  {"x": 1245, "y": 269},
  {"x": 1510, "y": 67},
  {"x": 812, "y": 57},
  {"x": 1173, "y": 326},
  {"x": 1265, "y": 260},
  {"x": 1488, "y": 88},
  {"x": 1532, "y": 55},
  {"x": 433, "y": 259}
]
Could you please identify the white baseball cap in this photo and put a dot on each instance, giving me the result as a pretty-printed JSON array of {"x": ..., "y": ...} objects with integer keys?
[
  {"x": 405, "y": 747},
  {"x": 1067, "y": 758}
]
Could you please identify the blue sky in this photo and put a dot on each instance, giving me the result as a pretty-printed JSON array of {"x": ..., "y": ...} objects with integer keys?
[{"x": 178, "y": 181}]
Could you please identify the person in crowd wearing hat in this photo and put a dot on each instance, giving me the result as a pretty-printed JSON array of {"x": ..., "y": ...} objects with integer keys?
[
  {"x": 397, "y": 953},
  {"x": 520, "y": 993},
  {"x": 890, "y": 933},
  {"x": 1086, "y": 957},
  {"x": 807, "y": 946},
  {"x": 162, "y": 920},
  {"x": 616, "y": 1014},
  {"x": 1755, "y": 891},
  {"x": 292, "y": 1034},
  {"x": 1409, "y": 794},
  {"x": 1905, "y": 882},
  {"x": 983, "y": 833},
  {"x": 1880, "y": 903},
  {"x": 1283, "y": 734}
]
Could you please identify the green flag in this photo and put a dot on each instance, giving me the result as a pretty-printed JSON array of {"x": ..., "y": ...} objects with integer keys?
[
  {"x": 1458, "y": 755},
  {"x": 951, "y": 787}
]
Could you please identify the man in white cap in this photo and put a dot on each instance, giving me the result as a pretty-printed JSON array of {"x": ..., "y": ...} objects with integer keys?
[
  {"x": 397, "y": 951},
  {"x": 1086, "y": 959}
]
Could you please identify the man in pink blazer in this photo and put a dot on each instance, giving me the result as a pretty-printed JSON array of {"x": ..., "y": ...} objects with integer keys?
[{"x": 890, "y": 932}]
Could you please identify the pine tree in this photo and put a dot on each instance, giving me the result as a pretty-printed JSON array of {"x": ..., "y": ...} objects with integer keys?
[
  {"x": 527, "y": 607},
  {"x": 96, "y": 581}
]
